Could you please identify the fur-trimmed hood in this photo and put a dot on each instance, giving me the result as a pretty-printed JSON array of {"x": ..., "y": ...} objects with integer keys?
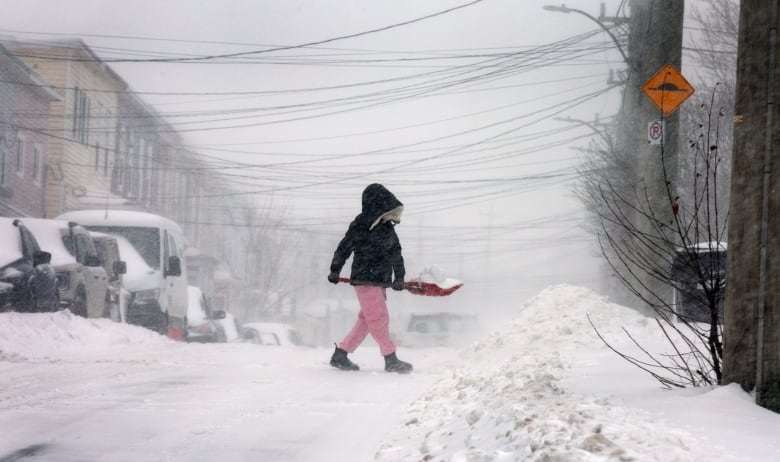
[{"x": 379, "y": 204}]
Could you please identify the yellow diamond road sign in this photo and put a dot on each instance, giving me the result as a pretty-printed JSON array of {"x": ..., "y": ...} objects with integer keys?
[{"x": 667, "y": 89}]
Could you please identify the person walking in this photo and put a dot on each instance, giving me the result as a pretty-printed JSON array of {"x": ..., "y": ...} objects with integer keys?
[{"x": 377, "y": 264}]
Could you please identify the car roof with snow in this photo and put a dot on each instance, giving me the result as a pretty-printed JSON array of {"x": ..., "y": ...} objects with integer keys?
[
  {"x": 12, "y": 245},
  {"x": 128, "y": 218},
  {"x": 49, "y": 235}
]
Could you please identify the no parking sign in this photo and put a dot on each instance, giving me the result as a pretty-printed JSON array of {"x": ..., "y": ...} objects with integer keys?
[{"x": 655, "y": 132}]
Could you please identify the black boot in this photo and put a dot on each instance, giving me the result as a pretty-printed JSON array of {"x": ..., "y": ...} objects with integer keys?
[
  {"x": 339, "y": 360},
  {"x": 393, "y": 364}
]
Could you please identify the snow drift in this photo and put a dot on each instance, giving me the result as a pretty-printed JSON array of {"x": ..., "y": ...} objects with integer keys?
[
  {"x": 515, "y": 397},
  {"x": 63, "y": 335}
]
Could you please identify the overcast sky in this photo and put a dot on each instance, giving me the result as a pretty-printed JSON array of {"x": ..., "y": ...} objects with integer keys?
[{"x": 458, "y": 114}]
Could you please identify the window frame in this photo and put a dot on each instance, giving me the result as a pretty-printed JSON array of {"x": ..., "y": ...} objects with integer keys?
[
  {"x": 21, "y": 148},
  {"x": 37, "y": 164}
]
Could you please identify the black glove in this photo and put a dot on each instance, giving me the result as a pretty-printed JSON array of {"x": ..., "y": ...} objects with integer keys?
[
  {"x": 398, "y": 284},
  {"x": 333, "y": 277}
]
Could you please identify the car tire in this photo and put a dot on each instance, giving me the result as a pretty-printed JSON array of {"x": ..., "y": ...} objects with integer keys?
[
  {"x": 56, "y": 306},
  {"x": 80, "y": 303},
  {"x": 161, "y": 324},
  {"x": 34, "y": 301},
  {"x": 107, "y": 306}
]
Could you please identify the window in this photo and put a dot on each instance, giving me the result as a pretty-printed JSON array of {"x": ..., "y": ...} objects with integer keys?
[
  {"x": 82, "y": 248},
  {"x": 119, "y": 158},
  {"x": 37, "y": 164},
  {"x": 81, "y": 113},
  {"x": 3, "y": 163},
  {"x": 145, "y": 240},
  {"x": 166, "y": 250},
  {"x": 30, "y": 245},
  {"x": 20, "y": 156}
]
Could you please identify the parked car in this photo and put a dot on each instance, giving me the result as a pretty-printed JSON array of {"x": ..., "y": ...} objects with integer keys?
[
  {"x": 136, "y": 270},
  {"x": 108, "y": 251},
  {"x": 440, "y": 329},
  {"x": 201, "y": 325},
  {"x": 81, "y": 279},
  {"x": 231, "y": 327},
  {"x": 159, "y": 286},
  {"x": 28, "y": 283},
  {"x": 696, "y": 272},
  {"x": 270, "y": 333}
]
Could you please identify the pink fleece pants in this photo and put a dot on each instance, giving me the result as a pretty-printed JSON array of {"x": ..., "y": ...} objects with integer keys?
[{"x": 372, "y": 319}]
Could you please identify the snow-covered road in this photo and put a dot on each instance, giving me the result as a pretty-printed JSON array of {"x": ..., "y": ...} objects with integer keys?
[
  {"x": 541, "y": 388},
  {"x": 162, "y": 401}
]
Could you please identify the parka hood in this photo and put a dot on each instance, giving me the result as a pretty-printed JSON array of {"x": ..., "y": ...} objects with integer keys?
[{"x": 379, "y": 203}]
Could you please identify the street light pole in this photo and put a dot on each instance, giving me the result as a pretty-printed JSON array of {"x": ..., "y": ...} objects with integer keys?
[{"x": 565, "y": 9}]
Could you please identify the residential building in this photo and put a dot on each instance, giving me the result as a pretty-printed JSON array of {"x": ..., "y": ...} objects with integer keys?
[
  {"x": 82, "y": 126},
  {"x": 25, "y": 99}
]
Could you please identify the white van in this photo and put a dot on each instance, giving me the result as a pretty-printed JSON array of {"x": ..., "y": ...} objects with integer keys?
[{"x": 158, "y": 286}]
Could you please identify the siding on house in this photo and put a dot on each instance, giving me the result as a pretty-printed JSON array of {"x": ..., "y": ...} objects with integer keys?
[
  {"x": 82, "y": 126},
  {"x": 25, "y": 100}
]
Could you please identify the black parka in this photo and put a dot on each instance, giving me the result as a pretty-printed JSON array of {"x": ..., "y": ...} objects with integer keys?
[{"x": 371, "y": 237}]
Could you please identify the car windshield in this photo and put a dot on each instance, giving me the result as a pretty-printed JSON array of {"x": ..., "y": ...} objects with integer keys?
[
  {"x": 67, "y": 240},
  {"x": 145, "y": 240},
  {"x": 12, "y": 246}
]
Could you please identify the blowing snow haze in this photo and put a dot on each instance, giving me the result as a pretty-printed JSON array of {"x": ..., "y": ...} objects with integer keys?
[
  {"x": 459, "y": 113},
  {"x": 221, "y": 150}
]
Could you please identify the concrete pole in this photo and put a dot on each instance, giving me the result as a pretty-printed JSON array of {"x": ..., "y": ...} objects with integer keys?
[{"x": 751, "y": 354}]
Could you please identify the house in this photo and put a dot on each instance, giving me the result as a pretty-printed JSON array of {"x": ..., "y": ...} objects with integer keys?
[
  {"x": 25, "y": 98},
  {"x": 82, "y": 125}
]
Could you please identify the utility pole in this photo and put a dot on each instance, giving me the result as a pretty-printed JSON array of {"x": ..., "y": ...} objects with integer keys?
[
  {"x": 655, "y": 39},
  {"x": 751, "y": 355},
  {"x": 655, "y": 30}
]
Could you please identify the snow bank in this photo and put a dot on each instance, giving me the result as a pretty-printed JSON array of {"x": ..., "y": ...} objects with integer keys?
[
  {"x": 63, "y": 335},
  {"x": 506, "y": 399}
]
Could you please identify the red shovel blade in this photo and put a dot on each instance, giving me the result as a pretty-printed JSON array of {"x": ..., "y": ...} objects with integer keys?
[{"x": 424, "y": 288}]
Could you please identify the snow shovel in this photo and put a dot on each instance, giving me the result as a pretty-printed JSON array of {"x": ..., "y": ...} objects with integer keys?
[{"x": 431, "y": 289}]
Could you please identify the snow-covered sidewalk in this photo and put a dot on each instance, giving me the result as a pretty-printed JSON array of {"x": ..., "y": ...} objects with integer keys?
[{"x": 547, "y": 389}]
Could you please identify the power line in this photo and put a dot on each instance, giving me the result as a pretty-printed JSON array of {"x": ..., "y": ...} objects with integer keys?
[{"x": 282, "y": 48}]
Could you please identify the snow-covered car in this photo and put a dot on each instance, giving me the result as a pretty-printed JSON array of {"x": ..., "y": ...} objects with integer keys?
[
  {"x": 108, "y": 251},
  {"x": 81, "y": 279},
  {"x": 230, "y": 326},
  {"x": 159, "y": 286},
  {"x": 27, "y": 281},
  {"x": 440, "y": 329},
  {"x": 270, "y": 333},
  {"x": 136, "y": 272},
  {"x": 201, "y": 325}
]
